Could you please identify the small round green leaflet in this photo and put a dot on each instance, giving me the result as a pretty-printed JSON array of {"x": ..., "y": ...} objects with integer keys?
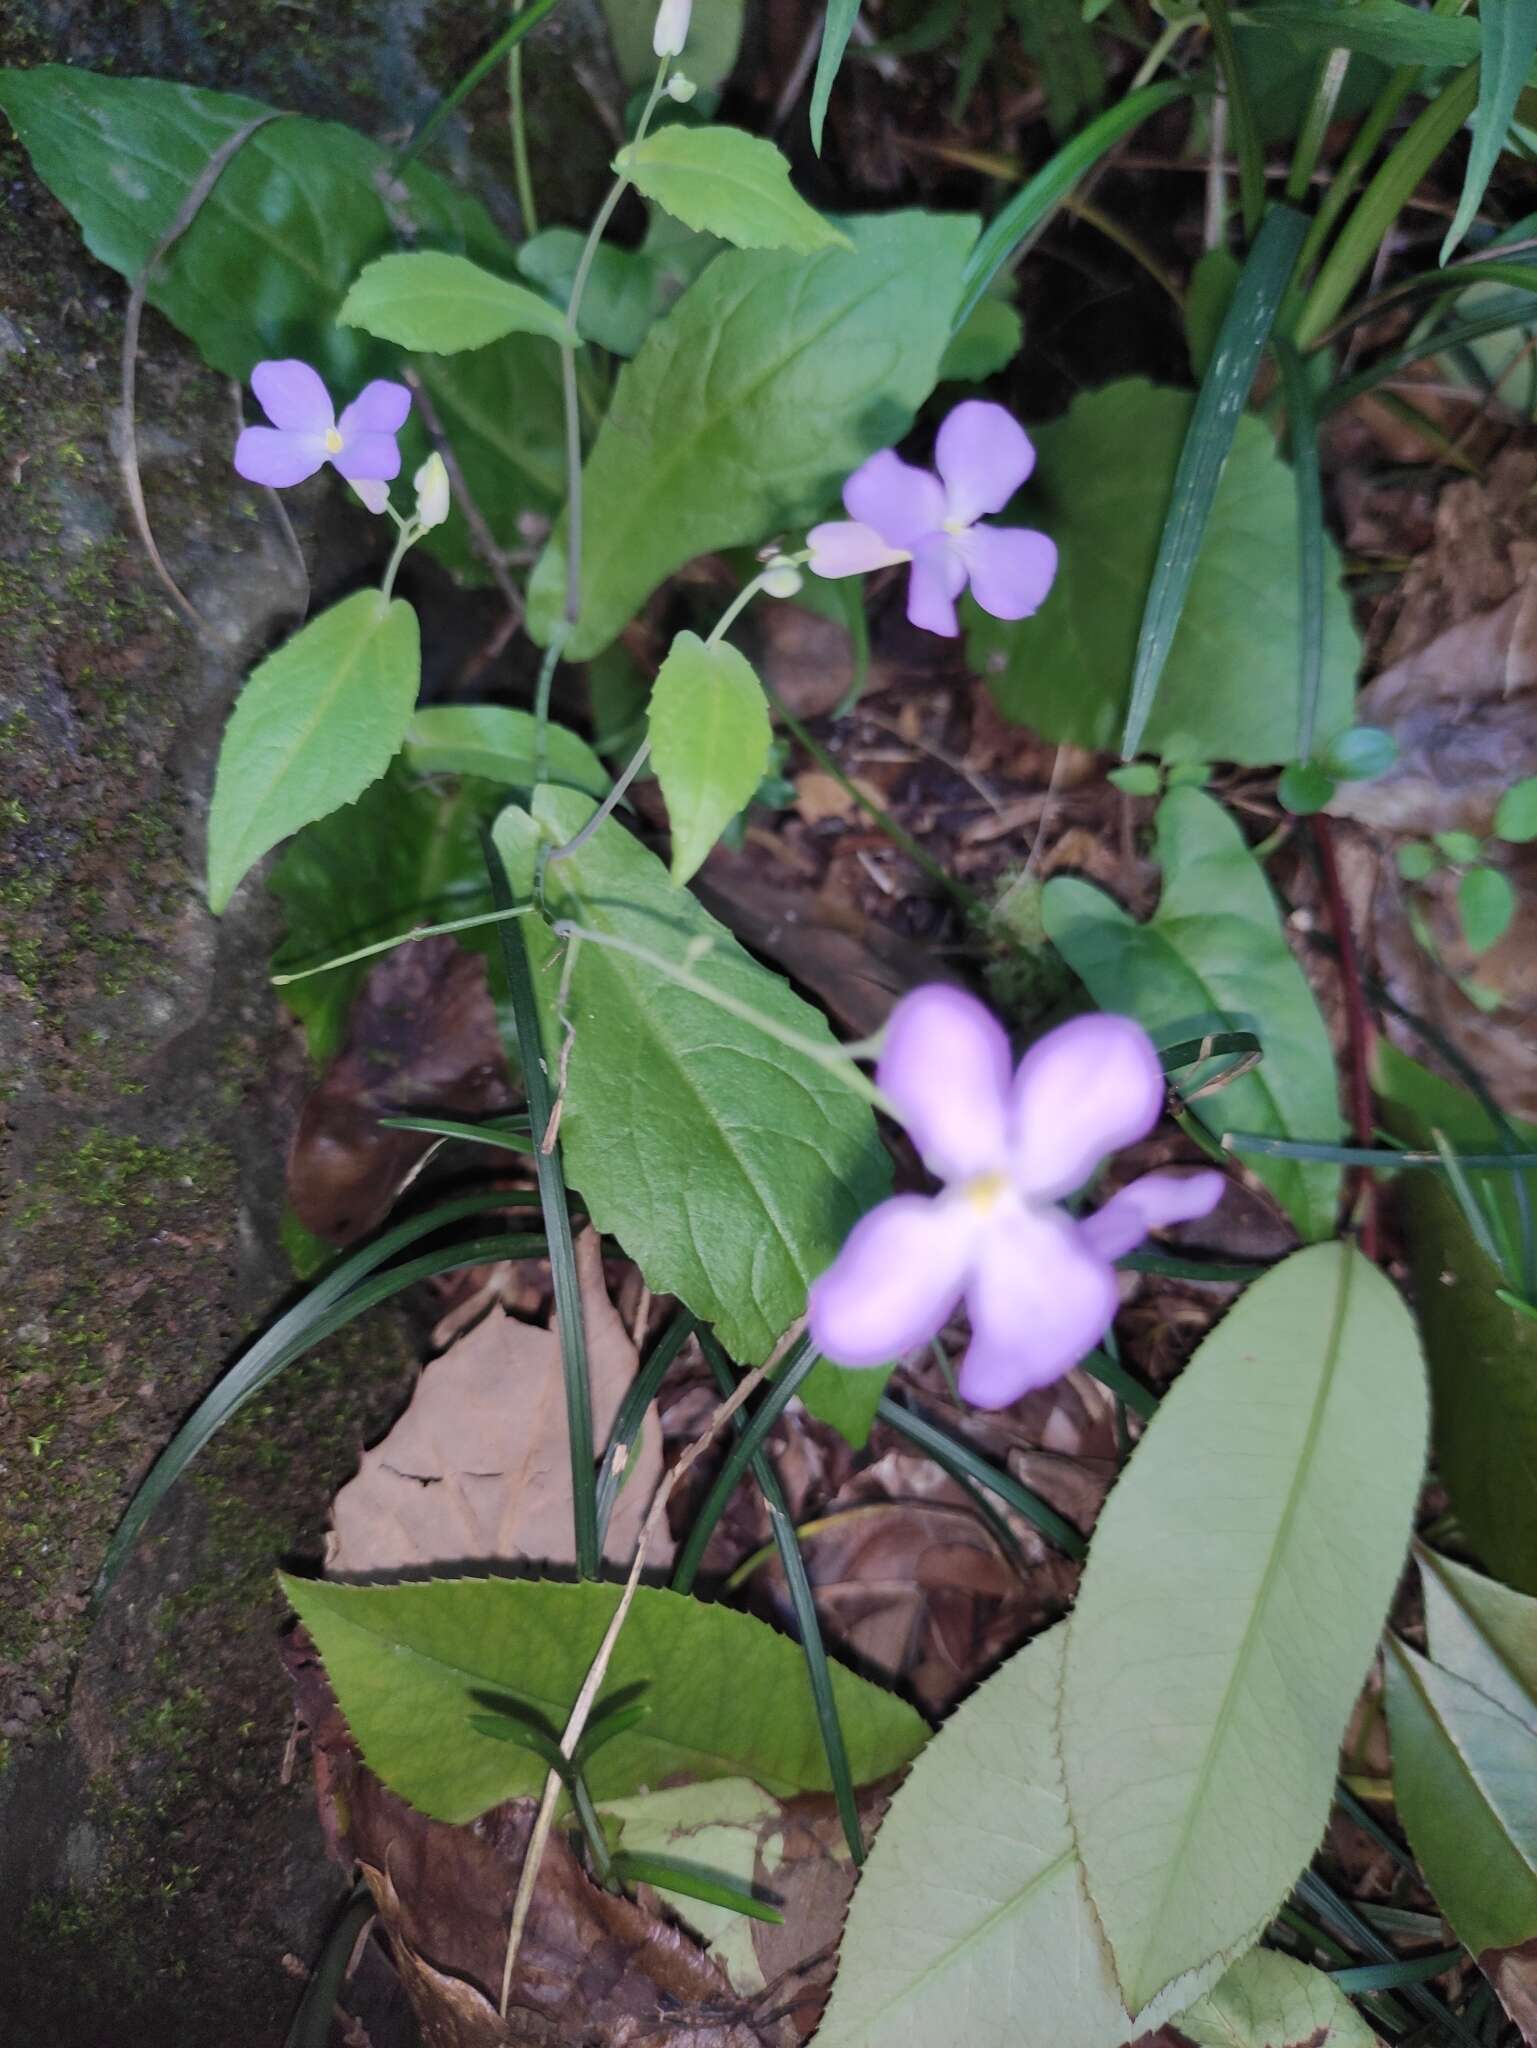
[
  {"x": 1234, "y": 1590},
  {"x": 1268, "y": 2000},
  {"x": 710, "y": 742},
  {"x": 1304, "y": 788},
  {"x": 431, "y": 300},
  {"x": 725, "y": 182},
  {"x": 316, "y": 723},
  {"x": 1516, "y": 818},
  {"x": 1485, "y": 905}
]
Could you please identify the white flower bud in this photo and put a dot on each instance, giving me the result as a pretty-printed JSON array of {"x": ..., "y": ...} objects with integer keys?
[
  {"x": 781, "y": 578},
  {"x": 681, "y": 89},
  {"x": 431, "y": 482},
  {"x": 671, "y": 31}
]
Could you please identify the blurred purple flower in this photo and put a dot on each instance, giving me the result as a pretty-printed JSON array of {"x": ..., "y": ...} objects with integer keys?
[
  {"x": 1039, "y": 1284},
  {"x": 901, "y": 514},
  {"x": 305, "y": 431}
]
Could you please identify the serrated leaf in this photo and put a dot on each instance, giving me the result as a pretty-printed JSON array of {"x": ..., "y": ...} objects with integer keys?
[
  {"x": 1213, "y": 957},
  {"x": 710, "y": 743},
  {"x": 295, "y": 214},
  {"x": 1482, "y": 1632},
  {"x": 406, "y": 1662},
  {"x": 1486, "y": 903},
  {"x": 728, "y": 1166},
  {"x": 772, "y": 378},
  {"x": 1218, "y": 1642},
  {"x": 627, "y": 290},
  {"x": 315, "y": 723},
  {"x": 725, "y": 182},
  {"x": 1101, "y": 488},
  {"x": 497, "y": 742},
  {"x": 432, "y": 300},
  {"x": 1268, "y": 2000},
  {"x": 1465, "y": 1785},
  {"x": 971, "y": 1910}
]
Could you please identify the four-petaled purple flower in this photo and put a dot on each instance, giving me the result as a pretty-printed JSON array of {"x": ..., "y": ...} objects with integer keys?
[
  {"x": 1039, "y": 1284},
  {"x": 305, "y": 431},
  {"x": 901, "y": 514}
]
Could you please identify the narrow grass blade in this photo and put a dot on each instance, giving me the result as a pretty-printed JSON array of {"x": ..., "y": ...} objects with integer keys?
[
  {"x": 557, "y": 1223},
  {"x": 1246, "y": 139},
  {"x": 314, "y": 2022},
  {"x": 1328, "y": 83},
  {"x": 1302, "y": 433},
  {"x": 1035, "y": 202},
  {"x": 1219, "y": 1272},
  {"x": 1456, "y": 277},
  {"x": 632, "y": 1413},
  {"x": 674, "y": 1874},
  {"x": 1516, "y": 311},
  {"x": 1509, "y": 48},
  {"x": 1334, "y": 1911},
  {"x": 507, "y": 1137},
  {"x": 1468, "y": 1203},
  {"x": 1190, "y": 1052},
  {"x": 959, "y": 1459},
  {"x": 317, "y": 1317},
  {"x": 1110, "y": 1372},
  {"x": 1384, "y": 1156},
  {"x": 507, "y": 41},
  {"x": 1391, "y": 1976},
  {"x": 1224, "y": 394},
  {"x": 837, "y": 27},
  {"x": 804, "y": 1604}
]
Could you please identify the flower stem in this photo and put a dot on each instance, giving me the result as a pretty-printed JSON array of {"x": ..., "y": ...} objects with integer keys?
[
  {"x": 542, "y": 689},
  {"x": 410, "y": 533},
  {"x": 520, "y": 168}
]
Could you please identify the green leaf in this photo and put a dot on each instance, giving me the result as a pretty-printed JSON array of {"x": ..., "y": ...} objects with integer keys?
[
  {"x": 1102, "y": 485},
  {"x": 1508, "y": 31},
  {"x": 1212, "y": 284},
  {"x": 1516, "y": 818},
  {"x": 496, "y": 742},
  {"x": 295, "y": 215},
  {"x": 1483, "y": 1355},
  {"x": 1304, "y": 788},
  {"x": 725, "y": 182},
  {"x": 1360, "y": 753},
  {"x": 987, "y": 342},
  {"x": 1416, "y": 860},
  {"x": 406, "y": 1662},
  {"x": 728, "y": 1166},
  {"x": 1485, "y": 905},
  {"x": 432, "y": 300},
  {"x": 972, "y": 1902},
  {"x": 1217, "y": 1644},
  {"x": 1213, "y": 956},
  {"x": 747, "y": 406},
  {"x": 627, "y": 290},
  {"x": 1482, "y": 1632},
  {"x": 316, "y": 723},
  {"x": 1203, "y": 456},
  {"x": 1268, "y": 2000},
  {"x": 837, "y": 27},
  {"x": 1385, "y": 29},
  {"x": 1136, "y": 778},
  {"x": 1459, "y": 846},
  {"x": 1465, "y": 1785},
  {"x": 710, "y": 741}
]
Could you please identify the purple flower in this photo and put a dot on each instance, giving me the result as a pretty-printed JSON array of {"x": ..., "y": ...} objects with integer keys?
[
  {"x": 1039, "y": 1284},
  {"x": 305, "y": 431},
  {"x": 901, "y": 514}
]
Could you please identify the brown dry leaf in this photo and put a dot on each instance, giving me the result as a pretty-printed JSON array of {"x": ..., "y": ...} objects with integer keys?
[
  {"x": 422, "y": 1040},
  {"x": 1513, "y": 1973},
  {"x": 820, "y": 797},
  {"x": 478, "y": 1467}
]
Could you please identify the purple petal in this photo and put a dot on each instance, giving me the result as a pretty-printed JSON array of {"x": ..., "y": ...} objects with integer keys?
[
  {"x": 842, "y": 547},
  {"x": 1089, "y": 1087},
  {"x": 900, "y": 502},
  {"x": 375, "y": 495},
  {"x": 293, "y": 397},
  {"x": 379, "y": 408},
  {"x": 896, "y": 1281},
  {"x": 938, "y": 578},
  {"x": 369, "y": 457},
  {"x": 1011, "y": 568},
  {"x": 1151, "y": 1203},
  {"x": 944, "y": 1067},
  {"x": 264, "y": 455},
  {"x": 1040, "y": 1300},
  {"x": 984, "y": 455}
]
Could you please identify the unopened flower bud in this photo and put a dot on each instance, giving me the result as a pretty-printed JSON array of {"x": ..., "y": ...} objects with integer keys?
[
  {"x": 781, "y": 578},
  {"x": 671, "y": 31},
  {"x": 680, "y": 88},
  {"x": 431, "y": 482}
]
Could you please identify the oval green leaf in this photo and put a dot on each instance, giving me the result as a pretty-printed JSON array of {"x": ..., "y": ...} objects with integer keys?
[
  {"x": 1234, "y": 1590},
  {"x": 431, "y": 300},
  {"x": 407, "y": 1663},
  {"x": 1485, "y": 905},
  {"x": 710, "y": 742},
  {"x": 727, "y": 183},
  {"x": 1268, "y": 2000},
  {"x": 1482, "y": 1632},
  {"x": 315, "y": 724}
]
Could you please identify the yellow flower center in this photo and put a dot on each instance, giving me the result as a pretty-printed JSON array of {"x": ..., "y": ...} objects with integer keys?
[
  {"x": 984, "y": 1191},
  {"x": 957, "y": 526},
  {"x": 333, "y": 441}
]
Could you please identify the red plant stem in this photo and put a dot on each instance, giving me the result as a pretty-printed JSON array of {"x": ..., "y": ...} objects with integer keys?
[{"x": 1358, "y": 1028}]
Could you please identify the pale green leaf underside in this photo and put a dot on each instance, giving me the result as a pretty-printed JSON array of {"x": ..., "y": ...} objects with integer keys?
[
  {"x": 440, "y": 303},
  {"x": 1465, "y": 1785},
  {"x": 1212, "y": 955},
  {"x": 1229, "y": 690},
  {"x": 772, "y": 378},
  {"x": 729, "y": 1167},
  {"x": 1234, "y": 1589},
  {"x": 497, "y": 743},
  {"x": 405, "y": 1660},
  {"x": 315, "y": 723},
  {"x": 1266, "y": 2000},
  {"x": 1482, "y": 1632},
  {"x": 727, "y": 183},
  {"x": 710, "y": 742}
]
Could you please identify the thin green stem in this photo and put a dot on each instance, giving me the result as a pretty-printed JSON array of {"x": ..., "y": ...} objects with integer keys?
[
  {"x": 417, "y": 931},
  {"x": 1332, "y": 67},
  {"x": 522, "y": 175},
  {"x": 542, "y": 688},
  {"x": 1153, "y": 62},
  {"x": 410, "y": 533},
  {"x": 1246, "y": 140},
  {"x": 509, "y": 39}
]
